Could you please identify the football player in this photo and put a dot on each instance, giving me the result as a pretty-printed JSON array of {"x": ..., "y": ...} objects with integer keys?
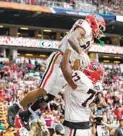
[
  {"x": 79, "y": 40},
  {"x": 78, "y": 94}
]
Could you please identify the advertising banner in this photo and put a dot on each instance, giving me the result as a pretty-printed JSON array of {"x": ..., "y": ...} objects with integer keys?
[{"x": 41, "y": 43}]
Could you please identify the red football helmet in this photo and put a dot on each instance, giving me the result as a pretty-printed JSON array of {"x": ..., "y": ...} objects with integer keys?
[
  {"x": 94, "y": 71},
  {"x": 97, "y": 24}
]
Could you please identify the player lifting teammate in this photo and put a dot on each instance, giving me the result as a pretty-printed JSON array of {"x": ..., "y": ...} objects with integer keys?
[
  {"x": 79, "y": 39},
  {"x": 78, "y": 94}
]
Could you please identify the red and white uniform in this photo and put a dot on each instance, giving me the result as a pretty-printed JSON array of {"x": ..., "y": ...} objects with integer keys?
[
  {"x": 53, "y": 80},
  {"x": 85, "y": 42},
  {"x": 76, "y": 112}
]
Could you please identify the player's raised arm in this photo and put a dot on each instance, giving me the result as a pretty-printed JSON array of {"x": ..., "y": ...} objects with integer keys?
[
  {"x": 83, "y": 32},
  {"x": 66, "y": 69},
  {"x": 74, "y": 39}
]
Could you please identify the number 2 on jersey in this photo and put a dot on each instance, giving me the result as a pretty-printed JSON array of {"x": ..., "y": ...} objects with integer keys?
[
  {"x": 80, "y": 21},
  {"x": 86, "y": 45}
]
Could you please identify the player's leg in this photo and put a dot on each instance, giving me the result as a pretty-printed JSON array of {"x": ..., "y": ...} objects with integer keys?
[
  {"x": 42, "y": 102},
  {"x": 46, "y": 84},
  {"x": 30, "y": 97},
  {"x": 55, "y": 87},
  {"x": 83, "y": 132},
  {"x": 69, "y": 131},
  {"x": 39, "y": 103},
  {"x": 77, "y": 132}
]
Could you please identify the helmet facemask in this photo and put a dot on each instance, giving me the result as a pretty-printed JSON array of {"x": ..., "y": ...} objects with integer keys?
[
  {"x": 101, "y": 29},
  {"x": 97, "y": 24}
]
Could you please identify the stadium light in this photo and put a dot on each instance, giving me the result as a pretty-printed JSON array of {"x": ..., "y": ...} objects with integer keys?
[
  {"x": 29, "y": 54},
  {"x": 117, "y": 57},
  {"x": 43, "y": 55},
  {"x": 1, "y": 26},
  {"x": 106, "y": 56},
  {"x": 24, "y": 28},
  {"x": 116, "y": 61},
  {"x": 47, "y": 30},
  {"x": 106, "y": 61},
  {"x": 39, "y": 35}
]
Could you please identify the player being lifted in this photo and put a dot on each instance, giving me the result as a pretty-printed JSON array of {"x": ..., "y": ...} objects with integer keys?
[{"x": 79, "y": 40}]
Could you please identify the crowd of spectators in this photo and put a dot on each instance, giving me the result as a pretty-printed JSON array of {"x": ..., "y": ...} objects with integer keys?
[
  {"x": 107, "y": 109},
  {"x": 16, "y": 80},
  {"x": 98, "y": 6},
  {"x": 23, "y": 75},
  {"x": 18, "y": 76},
  {"x": 108, "y": 6}
]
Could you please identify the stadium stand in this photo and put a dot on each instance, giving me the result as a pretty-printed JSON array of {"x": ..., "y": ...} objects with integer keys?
[{"x": 96, "y": 6}]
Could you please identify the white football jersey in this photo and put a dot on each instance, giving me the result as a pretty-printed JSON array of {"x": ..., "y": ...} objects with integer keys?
[
  {"x": 76, "y": 101},
  {"x": 85, "y": 42}
]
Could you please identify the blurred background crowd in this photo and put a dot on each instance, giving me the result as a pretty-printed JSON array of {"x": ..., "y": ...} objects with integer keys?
[
  {"x": 97, "y": 6},
  {"x": 26, "y": 34},
  {"x": 23, "y": 75}
]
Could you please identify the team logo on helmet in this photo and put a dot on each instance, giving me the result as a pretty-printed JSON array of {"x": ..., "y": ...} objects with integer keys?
[
  {"x": 97, "y": 24},
  {"x": 95, "y": 67}
]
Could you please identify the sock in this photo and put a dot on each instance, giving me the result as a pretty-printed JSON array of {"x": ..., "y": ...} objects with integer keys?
[
  {"x": 30, "y": 110},
  {"x": 41, "y": 102},
  {"x": 19, "y": 106},
  {"x": 49, "y": 97}
]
